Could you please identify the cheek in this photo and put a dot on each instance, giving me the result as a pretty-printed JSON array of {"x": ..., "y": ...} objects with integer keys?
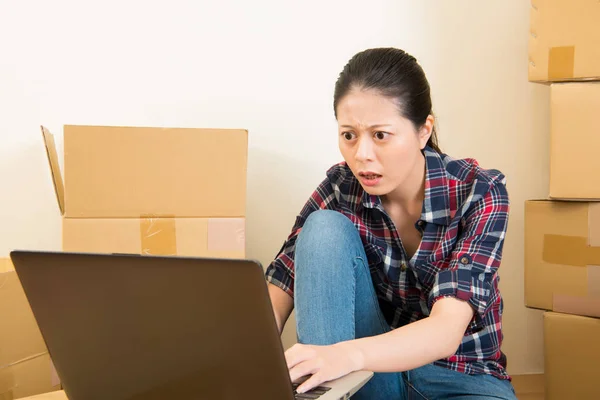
[
  {"x": 395, "y": 166},
  {"x": 345, "y": 151},
  {"x": 397, "y": 160}
]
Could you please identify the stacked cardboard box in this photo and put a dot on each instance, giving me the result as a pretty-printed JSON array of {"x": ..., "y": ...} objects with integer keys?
[
  {"x": 140, "y": 190},
  {"x": 562, "y": 232}
]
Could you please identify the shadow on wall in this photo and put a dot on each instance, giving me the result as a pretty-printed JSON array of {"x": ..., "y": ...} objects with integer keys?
[{"x": 278, "y": 188}]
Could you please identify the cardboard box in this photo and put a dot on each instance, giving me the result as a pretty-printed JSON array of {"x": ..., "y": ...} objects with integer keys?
[
  {"x": 200, "y": 237},
  {"x": 136, "y": 172},
  {"x": 6, "y": 265},
  {"x": 563, "y": 40},
  {"x": 571, "y": 353},
  {"x": 25, "y": 366},
  {"x": 196, "y": 177},
  {"x": 562, "y": 256},
  {"x": 574, "y": 140},
  {"x": 58, "y": 395},
  {"x": 30, "y": 377}
]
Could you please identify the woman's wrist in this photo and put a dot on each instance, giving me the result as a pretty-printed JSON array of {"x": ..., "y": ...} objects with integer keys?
[{"x": 354, "y": 353}]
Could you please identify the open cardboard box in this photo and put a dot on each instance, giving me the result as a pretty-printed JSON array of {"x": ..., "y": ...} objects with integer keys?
[
  {"x": 25, "y": 365},
  {"x": 154, "y": 191},
  {"x": 133, "y": 172}
]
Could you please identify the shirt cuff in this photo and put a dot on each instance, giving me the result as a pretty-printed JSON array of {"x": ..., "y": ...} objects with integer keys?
[
  {"x": 277, "y": 276},
  {"x": 460, "y": 282}
]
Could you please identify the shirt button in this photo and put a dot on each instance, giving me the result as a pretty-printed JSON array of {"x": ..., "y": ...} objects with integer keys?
[
  {"x": 464, "y": 260},
  {"x": 403, "y": 266}
]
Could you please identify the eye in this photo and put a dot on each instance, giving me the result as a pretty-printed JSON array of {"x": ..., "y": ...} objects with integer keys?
[
  {"x": 348, "y": 135},
  {"x": 380, "y": 135}
]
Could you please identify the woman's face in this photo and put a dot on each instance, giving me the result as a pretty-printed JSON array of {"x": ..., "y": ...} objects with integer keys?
[{"x": 381, "y": 147}]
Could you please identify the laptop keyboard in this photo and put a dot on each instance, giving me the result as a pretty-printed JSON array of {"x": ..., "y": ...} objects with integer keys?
[{"x": 314, "y": 393}]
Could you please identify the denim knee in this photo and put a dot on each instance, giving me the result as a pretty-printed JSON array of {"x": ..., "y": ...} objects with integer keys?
[
  {"x": 325, "y": 232},
  {"x": 324, "y": 225}
]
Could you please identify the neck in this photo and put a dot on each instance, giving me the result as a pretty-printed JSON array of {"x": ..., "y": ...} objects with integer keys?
[{"x": 410, "y": 194}]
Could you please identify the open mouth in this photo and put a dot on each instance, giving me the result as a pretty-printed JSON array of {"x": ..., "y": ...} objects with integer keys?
[
  {"x": 369, "y": 175},
  {"x": 369, "y": 178}
]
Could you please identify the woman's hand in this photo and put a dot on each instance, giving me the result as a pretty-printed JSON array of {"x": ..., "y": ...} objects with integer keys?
[{"x": 324, "y": 363}]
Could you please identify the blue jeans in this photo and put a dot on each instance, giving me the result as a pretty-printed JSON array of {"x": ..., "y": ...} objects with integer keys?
[{"x": 335, "y": 301}]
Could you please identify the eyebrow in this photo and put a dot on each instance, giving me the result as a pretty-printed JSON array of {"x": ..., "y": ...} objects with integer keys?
[{"x": 370, "y": 127}]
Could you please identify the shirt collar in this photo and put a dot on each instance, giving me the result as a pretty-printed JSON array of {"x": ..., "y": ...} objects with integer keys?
[{"x": 436, "y": 206}]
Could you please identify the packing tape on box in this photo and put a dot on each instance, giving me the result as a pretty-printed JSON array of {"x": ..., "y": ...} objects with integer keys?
[
  {"x": 582, "y": 305},
  {"x": 593, "y": 280},
  {"x": 158, "y": 236},
  {"x": 226, "y": 234},
  {"x": 569, "y": 250},
  {"x": 578, "y": 305},
  {"x": 561, "y": 62}
]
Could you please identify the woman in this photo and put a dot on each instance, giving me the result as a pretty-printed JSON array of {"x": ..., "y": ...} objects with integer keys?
[{"x": 392, "y": 264}]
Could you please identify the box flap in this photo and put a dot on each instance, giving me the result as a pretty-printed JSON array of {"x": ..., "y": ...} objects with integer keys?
[{"x": 59, "y": 187}]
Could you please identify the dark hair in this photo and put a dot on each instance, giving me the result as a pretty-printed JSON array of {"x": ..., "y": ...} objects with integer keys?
[{"x": 395, "y": 74}]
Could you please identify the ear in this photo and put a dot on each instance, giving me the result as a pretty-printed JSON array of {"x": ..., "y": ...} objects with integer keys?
[{"x": 426, "y": 131}]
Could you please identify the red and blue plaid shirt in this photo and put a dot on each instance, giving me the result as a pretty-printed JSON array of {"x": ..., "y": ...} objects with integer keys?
[{"x": 463, "y": 224}]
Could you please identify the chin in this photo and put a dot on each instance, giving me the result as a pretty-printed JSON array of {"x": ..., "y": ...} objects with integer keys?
[{"x": 376, "y": 190}]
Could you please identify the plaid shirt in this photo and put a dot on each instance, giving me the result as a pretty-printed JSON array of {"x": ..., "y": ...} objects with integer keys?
[{"x": 463, "y": 224}]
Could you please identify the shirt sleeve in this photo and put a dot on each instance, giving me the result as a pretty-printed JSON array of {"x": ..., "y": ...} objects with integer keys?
[
  {"x": 281, "y": 271},
  {"x": 472, "y": 274}
]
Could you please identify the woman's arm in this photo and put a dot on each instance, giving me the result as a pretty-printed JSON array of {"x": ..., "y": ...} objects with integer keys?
[
  {"x": 416, "y": 344},
  {"x": 280, "y": 273},
  {"x": 282, "y": 305},
  {"x": 460, "y": 295},
  {"x": 411, "y": 346}
]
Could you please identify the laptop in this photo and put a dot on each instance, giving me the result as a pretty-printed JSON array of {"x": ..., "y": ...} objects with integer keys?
[{"x": 132, "y": 327}]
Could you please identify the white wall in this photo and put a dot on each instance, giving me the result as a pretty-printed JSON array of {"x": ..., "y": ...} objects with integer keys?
[{"x": 269, "y": 67}]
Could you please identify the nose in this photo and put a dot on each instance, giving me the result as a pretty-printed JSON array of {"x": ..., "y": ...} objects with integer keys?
[{"x": 364, "y": 149}]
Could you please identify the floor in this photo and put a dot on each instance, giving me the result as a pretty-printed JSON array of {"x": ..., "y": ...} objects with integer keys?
[
  {"x": 530, "y": 396},
  {"x": 529, "y": 387}
]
